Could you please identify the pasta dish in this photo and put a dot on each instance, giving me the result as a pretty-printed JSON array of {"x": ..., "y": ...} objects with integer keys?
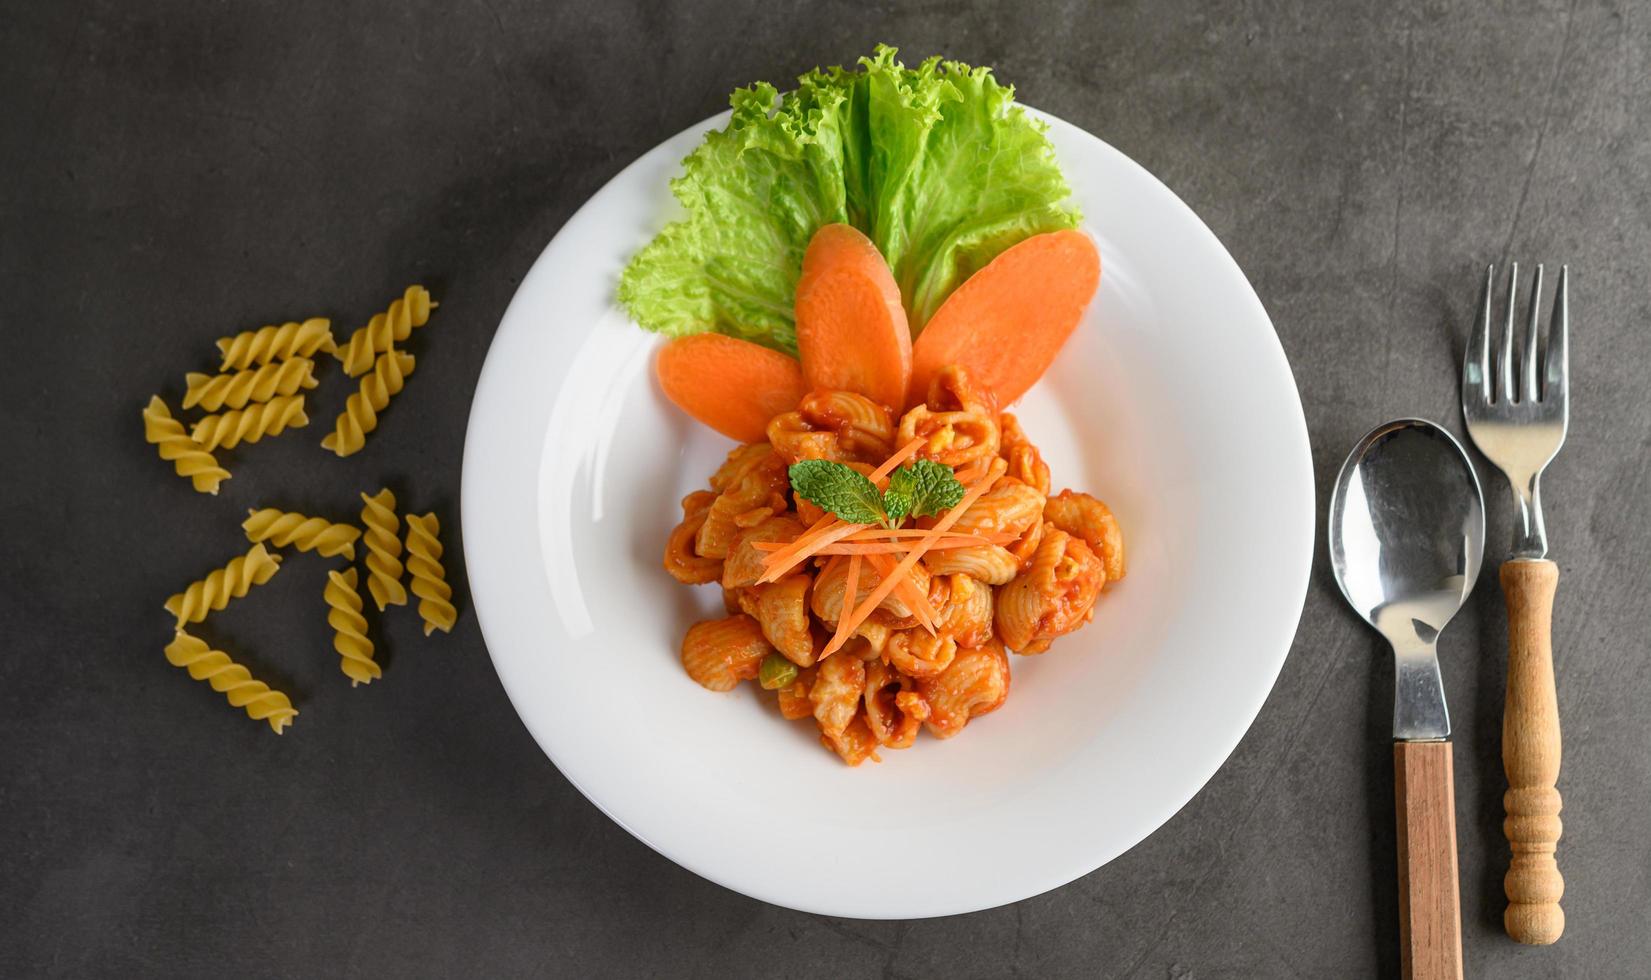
[
  {"x": 1009, "y": 568},
  {"x": 870, "y": 268}
]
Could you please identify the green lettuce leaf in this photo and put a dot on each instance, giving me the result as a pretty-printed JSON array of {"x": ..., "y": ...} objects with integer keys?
[
  {"x": 754, "y": 193},
  {"x": 936, "y": 164}
]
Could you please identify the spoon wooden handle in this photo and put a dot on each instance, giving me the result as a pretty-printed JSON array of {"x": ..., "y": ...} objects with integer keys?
[
  {"x": 1430, "y": 916},
  {"x": 1530, "y": 755}
]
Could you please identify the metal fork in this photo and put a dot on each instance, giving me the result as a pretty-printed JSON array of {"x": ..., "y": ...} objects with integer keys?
[{"x": 1516, "y": 410}]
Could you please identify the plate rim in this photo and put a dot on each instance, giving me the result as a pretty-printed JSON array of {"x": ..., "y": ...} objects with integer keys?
[{"x": 477, "y": 439}]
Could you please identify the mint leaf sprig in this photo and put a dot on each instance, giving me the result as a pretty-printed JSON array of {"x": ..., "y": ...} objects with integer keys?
[{"x": 919, "y": 489}]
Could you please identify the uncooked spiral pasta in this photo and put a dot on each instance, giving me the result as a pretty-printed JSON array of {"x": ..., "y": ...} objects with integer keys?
[
  {"x": 378, "y": 516},
  {"x": 384, "y": 330},
  {"x": 175, "y": 446},
  {"x": 232, "y": 581},
  {"x": 274, "y": 343},
  {"x": 355, "y": 651},
  {"x": 250, "y": 424},
  {"x": 428, "y": 580},
  {"x": 233, "y": 681},
  {"x": 360, "y": 415},
  {"x": 258, "y": 384},
  {"x": 286, "y": 529}
]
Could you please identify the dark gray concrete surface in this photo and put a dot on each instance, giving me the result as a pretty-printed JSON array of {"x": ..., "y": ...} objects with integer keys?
[{"x": 173, "y": 171}]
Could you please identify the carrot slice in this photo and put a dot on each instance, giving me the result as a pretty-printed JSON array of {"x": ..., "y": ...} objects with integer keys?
[
  {"x": 1007, "y": 322},
  {"x": 731, "y": 385},
  {"x": 851, "y": 327}
]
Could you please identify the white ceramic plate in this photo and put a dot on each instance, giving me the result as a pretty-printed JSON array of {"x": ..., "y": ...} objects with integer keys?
[{"x": 1173, "y": 402}]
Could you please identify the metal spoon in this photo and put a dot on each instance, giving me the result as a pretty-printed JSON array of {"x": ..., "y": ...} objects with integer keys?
[{"x": 1407, "y": 533}]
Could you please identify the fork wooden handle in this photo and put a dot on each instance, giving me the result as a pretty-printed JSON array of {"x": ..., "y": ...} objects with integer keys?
[
  {"x": 1530, "y": 755},
  {"x": 1430, "y": 917}
]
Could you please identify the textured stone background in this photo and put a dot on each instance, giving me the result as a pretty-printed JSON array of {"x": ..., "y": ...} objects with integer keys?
[{"x": 176, "y": 170}]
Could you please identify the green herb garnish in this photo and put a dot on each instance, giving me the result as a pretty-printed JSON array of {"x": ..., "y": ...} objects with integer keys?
[{"x": 920, "y": 489}]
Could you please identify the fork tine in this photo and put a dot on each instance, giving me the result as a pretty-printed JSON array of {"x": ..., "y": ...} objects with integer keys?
[
  {"x": 1504, "y": 359},
  {"x": 1527, "y": 363},
  {"x": 1476, "y": 357},
  {"x": 1559, "y": 330}
]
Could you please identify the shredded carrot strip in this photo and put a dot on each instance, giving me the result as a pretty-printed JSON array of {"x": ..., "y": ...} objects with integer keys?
[
  {"x": 939, "y": 530},
  {"x": 879, "y": 534},
  {"x": 886, "y": 547},
  {"x": 826, "y": 521},
  {"x": 777, "y": 566},
  {"x": 851, "y": 591},
  {"x": 800, "y": 540},
  {"x": 900, "y": 456},
  {"x": 909, "y": 593}
]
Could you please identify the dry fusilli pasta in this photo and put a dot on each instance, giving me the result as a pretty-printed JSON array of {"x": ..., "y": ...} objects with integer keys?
[
  {"x": 284, "y": 529},
  {"x": 274, "y": 343},
  {"x": 232, "y": 581},
  {"x": 428, "y": 580},
  {"x": 384, "y": 330},
  {"x": 184, "y": 453},
  {"x": 355, "y": 651},
  {"x": 378, "y": 516},
  {"x": 259, "y": 384},
  {"x": 360, "y": 415},
  {"x": 230, "y": 679},
  {"x": 250, "y": 424}
]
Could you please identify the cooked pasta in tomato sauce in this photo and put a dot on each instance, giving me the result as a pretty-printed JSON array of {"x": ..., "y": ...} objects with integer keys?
[{"x": 874, "y": 633}]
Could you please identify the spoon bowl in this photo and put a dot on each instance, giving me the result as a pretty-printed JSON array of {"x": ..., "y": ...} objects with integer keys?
[{"x": 1407, "y": 536}]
